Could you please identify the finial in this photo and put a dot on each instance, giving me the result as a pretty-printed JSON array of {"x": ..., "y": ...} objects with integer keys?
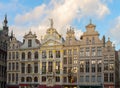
[
  {"x": 90, "y": 21},
  {"x": 51, "y": 22},
  {"x": 5, "y": 20}
]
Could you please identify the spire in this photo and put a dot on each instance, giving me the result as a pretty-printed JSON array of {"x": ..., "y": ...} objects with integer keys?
[
  {"x": 51, "y": 22},
  {"x": 90, "y": 21},
  {"x": 5, "y": 20}
]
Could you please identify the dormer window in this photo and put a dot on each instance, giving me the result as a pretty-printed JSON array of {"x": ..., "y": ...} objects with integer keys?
[{"x": 29, "y": 43}]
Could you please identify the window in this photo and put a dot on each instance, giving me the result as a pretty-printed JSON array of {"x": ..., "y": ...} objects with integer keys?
[
  {"x": 111, "y": 77},
  {"x": 9, "y": 66},
  {"x": 9, "y": 77},
  {"x": 29, "y": 43},
  {"x": 23, "y": 56},
  {"x": 93, "y": 66},
  {"x": 69, "y": 60},
  {"x": 43, "y": 54},
  {"x": 87, "y": 66},
  {"x": 106, "y": 77},
  {"x": 87, "y": 52},
  {"x": 105, "y": 66},
  {"x": 93, "y": 51},
  {"x": 9, "y": 55},
  {"x": 81, "y": 78},
  {"x": 28, "y": 79},
  {"x": 81, "y": 66},
  {"x": 65, "y": 60},
  {"x": 43, "y": 78},
  {"x": 50, "y": 66},
  {"x": 69, "y": 52},
  {"x": 99, "y": 78},
  {"x": 16, "y": 77},
  {"x": 57, "y": 54},
  {"x": 93, "y": 78},
  {"x": 17, "y": 66},
  {"x": 93, "y": 40},
  {"x": 29, "y": 55},
  {"x": 75, "y": 51},
  {"x": 57, "y": 78},
  {"x": 57, "y": 67},
  {"x": 81, "y": 51},
  {"x": 99, "y": 51},
  {"x": 17, "y": 55},
  {"x": 99, "y": 66},
  {"x": 29, "y": 68},
  {"x": 64, "y": 79},
  {"x": 87, "y": 78},
  {"x": 35, "y": 79},
  {"x": 65, "y": 52},
  {"x": 13, "y": 77},
  {"x": 87, "y": 41},
  {"x": 64, "y": 70},
  {"x": 22, "y": 79},
  {"x": 43, "y": 67},
  {"x": 13, "y": 66},
  {"x": 50, "y": 54},
  {"x": 22, "y": 67},
  {"x": 13, "y": 55},
  {"x": 36, "y": 55},
  {"x": 35, "y": 67}
]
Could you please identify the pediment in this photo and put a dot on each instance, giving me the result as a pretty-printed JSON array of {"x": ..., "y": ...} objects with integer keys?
[{"x": 51, "y": 43}]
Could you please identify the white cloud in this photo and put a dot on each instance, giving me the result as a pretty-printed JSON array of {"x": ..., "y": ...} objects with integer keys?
[
  {"x": 63, "y": 13},
  {"x": 115, "y": 30}
]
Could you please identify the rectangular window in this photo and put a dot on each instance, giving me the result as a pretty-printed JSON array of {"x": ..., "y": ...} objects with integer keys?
[
  {"x": 50, "y": 54},
  {"x": 13, "y": 77},
  {"x": 43, "y": 79},
  {"x": 87, "y": 78},
  {"x": 65, "y": 60},
  {"x": 87, "y": 66},
  {"x": 9, "y": 66},
  {"x": 99, "y": 51},
  {"x": 81, "y": 51},
  {"x": 93, "y": 51},
  {"x": 75, "y": 51},
  {"x": 105, "y": 66},
  {"x": 22, "y": 67},
  {"x": 93, "y": 66},
  {"x": 65, "y": 70},
  {"x": 13, "y": 55},
  {"x": 17, "y": 55},
  {"x": 9, "y": 55},
  {"x": 57, "y": 67},
  {"x": 81, "y": 78},
  {"x": 81, "y": 66},
  {"x": 65, "y": 52},
  {"x": 93, "y": 78},
  {"x": 69, "y": 60},
  {"x": 57, "y": 78},
  {"x": 17, "y": 77},
  {"x": 64, "y": 79},
  {"x": 99, "y": 78},
  {"x": 43, "y": 67},
  {"x": 43, "y": 54},
  {"x": 99, "y": 66},
  {"x": 106, "y": 77},
  {"x": 87, "y": 51},
  {"x": 50, "y": 66},
  {"x": 57, "y": 54},
  {"x": 69, "y": 52},
  {"x": 111, "y": 77},
  {"x": 13, "y": 66},
  {"x": 35, "y": 67},
  {"x": 9, "y": 77},
  {"x": 29, "y": 43}
]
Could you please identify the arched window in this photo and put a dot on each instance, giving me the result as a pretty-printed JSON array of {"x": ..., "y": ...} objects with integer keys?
[
  {"x": 35, "y": 79},
  {"x": 22, "y": 79},
  {"x": 29, "y": 55},
  {"x": 29, "y": 68},
  {"x": 36, "y": 55},
  {"x": 28, "y": 79},
  {"x": 23, "y": 56}
]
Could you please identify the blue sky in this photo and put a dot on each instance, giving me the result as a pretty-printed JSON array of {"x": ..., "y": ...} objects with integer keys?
[{"x": 25, "y": 15}]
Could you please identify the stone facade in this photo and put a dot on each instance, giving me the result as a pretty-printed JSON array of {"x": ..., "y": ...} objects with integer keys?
[
  {"x": 4, "y": 40},
  {"x": 55, "y": 62}
]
